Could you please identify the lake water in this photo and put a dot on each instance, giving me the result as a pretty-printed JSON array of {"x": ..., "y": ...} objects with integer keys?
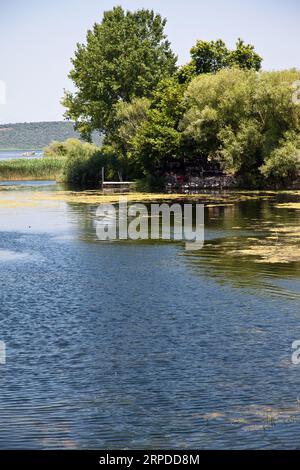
[
  {"x": 143, "y": 344},
  {"x": 16, "y": 154}
]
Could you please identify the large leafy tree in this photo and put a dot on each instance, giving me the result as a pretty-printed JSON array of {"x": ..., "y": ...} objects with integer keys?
[
  {"x": 125, "y": 56},
  {"x": 209, "y": 56},
  {"x": 159, "y": 140},
  {"x": 129, "y": 118},
  {"x": 247, "y": 122},
  {"x": 212, "y": 56},
  {"x": 245, "y": 57}
]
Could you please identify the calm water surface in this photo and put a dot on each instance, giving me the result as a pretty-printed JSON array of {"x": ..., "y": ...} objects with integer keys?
[
  {"x": 145, "y": 345},
  {"x": 16, "y": 154}
]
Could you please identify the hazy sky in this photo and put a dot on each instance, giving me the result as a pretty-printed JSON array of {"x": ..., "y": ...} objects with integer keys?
[{"x": 38, "y": 37}]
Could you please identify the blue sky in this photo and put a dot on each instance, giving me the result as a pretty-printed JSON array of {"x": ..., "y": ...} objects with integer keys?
[{"x": 37, "y": 39}]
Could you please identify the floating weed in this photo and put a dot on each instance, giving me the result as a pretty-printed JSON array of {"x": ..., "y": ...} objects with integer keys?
[
  {"x": 239, "y": 421},
  {"x": 15, "y": 204},
  {"x": 213, "y": 415},
  {"x": 270, "y": 419},
  {"x": 254, "y": 417},
  {"x": 96, "y": 197},
  {"x": 273, "y": 254},
  {"x": 256, "y": 427},
  {"x": 280, "y": 245},
  {"x": 289, "y": 205}
]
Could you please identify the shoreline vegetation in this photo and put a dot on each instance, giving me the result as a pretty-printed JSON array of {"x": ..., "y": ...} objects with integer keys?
[
  {"x": 219, "y": 115},
  {"x": 31, "y": 169}
]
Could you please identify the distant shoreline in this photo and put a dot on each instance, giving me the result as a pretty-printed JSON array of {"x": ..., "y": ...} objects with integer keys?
[
  {"x": 16, "y": 149},
  {"x": 37, "y": 135}
]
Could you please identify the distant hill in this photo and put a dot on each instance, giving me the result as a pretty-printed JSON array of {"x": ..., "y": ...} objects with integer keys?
[{"x": 35, "y": 135}]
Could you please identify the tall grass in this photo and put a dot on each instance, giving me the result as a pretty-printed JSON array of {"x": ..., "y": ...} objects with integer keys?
[
  {"x": 82, "y": 162},
  {"x": 32, "y": 169},
  {"x": 74, "y": 162}
]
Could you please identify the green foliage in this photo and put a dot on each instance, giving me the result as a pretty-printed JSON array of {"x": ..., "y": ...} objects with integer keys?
[
  {"x": 245, "y": 57},
  {"x": 186, "y": 73},
  {"x": 243, "y": 121},
  {"x": 247, "y": 122},
  {"x": 212, "y": 56},
  {"x": 239, "y": 149},
  {"x": 129, "y": 118},
  {"x": 150, "y": 183},
  {"x": 125, "y": 56},
  {"x": 219, "y": 107},
  {"x": 83, "y": 172},
  {"x": 32, "y": 169},
  {"x": 283, "y": 163},
  {"x": 70, "y": 148},
  {"x": 213, "y": 103},
  {"x": 158, "y": 139},
  {"x": 82, "y": 162}
]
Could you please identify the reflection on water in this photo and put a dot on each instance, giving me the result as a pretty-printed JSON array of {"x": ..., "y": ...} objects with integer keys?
[
  {"x": 31, "y": 184},
  {"x": 142, "y": 344},
  {"x": 258, "y": 253}
]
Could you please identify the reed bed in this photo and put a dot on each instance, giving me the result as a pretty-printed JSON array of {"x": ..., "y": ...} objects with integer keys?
[{"x": 32, "y": 169}]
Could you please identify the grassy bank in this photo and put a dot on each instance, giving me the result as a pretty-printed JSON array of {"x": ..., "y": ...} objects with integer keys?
[{"x": 31, "y": 169}]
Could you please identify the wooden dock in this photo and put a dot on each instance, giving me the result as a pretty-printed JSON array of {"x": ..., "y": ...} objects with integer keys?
[{"x": 115, "y": 186}]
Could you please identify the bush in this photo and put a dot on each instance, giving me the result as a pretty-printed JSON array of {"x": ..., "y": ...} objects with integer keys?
[
  {"x": 71, "y": 147},
  {"x": 283, "y": 163},
  {"x": 83, "y": 162},
  {"x": 83, "y": 172},
  {"x": 150, "y": 183}
]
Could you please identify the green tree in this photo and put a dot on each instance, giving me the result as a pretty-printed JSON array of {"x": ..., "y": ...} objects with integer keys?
[
  {"x": 125, "y": 56},
  {"x": 159, "y": 139},
  {"x": 129, "y": 118},
  {"x": 246, "y": 122},
  {"x": 284, "y": 162},
  {"x": 245, "y": 57},
  {"x": 212, "y": 56}
]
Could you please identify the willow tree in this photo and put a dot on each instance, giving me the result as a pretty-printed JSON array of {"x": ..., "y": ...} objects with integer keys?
[
  {"x": 125, "y": 56},
  {"x": 245, "y": 121}
]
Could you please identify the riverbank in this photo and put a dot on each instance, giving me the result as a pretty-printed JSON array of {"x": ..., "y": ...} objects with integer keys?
[
  {"x": 31, "y": 169},
  {"x": 52, "y": 168}
]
